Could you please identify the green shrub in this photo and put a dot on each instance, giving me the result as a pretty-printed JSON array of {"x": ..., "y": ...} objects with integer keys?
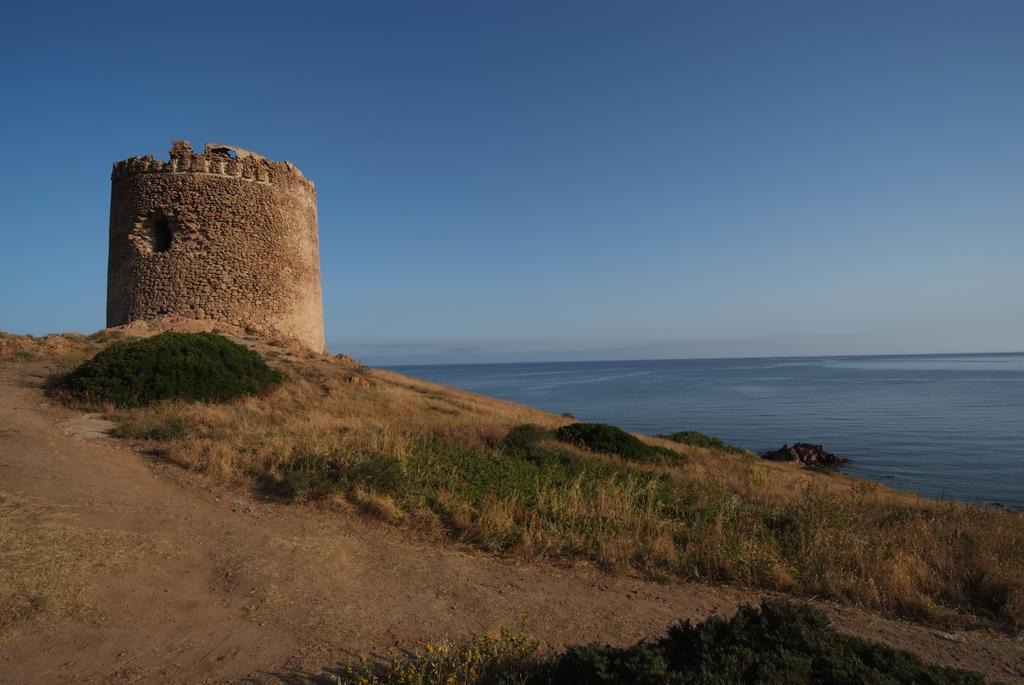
[
  {"x": 780, "y": 642},
  {"x": 601, "y": 437},
  {"x": 701, "y": 440},
  {"x": 186, "y": 366}
]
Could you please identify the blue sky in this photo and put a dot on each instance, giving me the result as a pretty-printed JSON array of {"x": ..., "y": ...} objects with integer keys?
[{"x": 542, "y": 180}]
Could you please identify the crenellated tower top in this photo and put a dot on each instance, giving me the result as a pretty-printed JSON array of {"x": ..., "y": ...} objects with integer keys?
[{"x": 217, "y": 159}]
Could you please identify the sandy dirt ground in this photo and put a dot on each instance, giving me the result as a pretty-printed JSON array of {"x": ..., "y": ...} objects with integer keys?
[{"x": 120, "y": 568}]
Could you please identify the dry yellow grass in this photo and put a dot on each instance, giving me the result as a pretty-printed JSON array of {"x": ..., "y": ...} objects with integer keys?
[
  {"x": 43, "y": 559},
  {"x": 416, "y": 453}
]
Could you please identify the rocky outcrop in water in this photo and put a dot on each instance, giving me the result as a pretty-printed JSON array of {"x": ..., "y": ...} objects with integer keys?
[{"x": 806, "y": 454}]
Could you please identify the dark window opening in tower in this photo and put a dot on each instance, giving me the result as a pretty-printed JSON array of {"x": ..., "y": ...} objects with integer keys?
[
  {"x": 157, "y": 232},
  {"x": 159, "y": 229}
]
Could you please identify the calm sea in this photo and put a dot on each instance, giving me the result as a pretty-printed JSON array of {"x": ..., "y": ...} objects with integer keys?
[{"x": 944, "y": 426}]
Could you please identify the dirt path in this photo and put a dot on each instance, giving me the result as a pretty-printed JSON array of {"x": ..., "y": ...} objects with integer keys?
[{"x": 125, "y": 569}]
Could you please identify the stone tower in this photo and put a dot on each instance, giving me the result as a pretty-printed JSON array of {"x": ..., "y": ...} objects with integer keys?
[{"x": 227, "y": 235}]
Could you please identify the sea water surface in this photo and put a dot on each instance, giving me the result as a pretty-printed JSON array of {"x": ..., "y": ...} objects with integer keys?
[{"x": 949, "y": 426}]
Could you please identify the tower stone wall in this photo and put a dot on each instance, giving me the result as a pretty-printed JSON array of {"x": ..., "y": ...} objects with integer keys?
[{"x": 226, "y": 235}]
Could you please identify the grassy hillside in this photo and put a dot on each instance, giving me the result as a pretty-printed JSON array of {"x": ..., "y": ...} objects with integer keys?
[{"x": 497, "y": 475}]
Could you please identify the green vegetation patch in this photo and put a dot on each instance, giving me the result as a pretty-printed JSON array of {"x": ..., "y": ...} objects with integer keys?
[
  {"x": 701, "y": 440},
  {"x": 146, "y": 428},
  {"x": 200, "y": 367},
  {"x": 778, "y": 642},
  {"x": 497, "y": 498},
  {"x": 601, "y": 437}
]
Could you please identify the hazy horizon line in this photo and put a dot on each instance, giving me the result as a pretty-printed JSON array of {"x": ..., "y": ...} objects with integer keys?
[{"x": 724, "y": 357}]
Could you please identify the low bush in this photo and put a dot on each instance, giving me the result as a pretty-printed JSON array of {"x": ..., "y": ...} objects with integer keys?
[
  {"x": 701, "y": 440},
  {"x": 601, "y": 437},
  {"x": 526, "y": 437},
  {"x": 185, "y": 366},
  {"x": 778, "y": 642}
]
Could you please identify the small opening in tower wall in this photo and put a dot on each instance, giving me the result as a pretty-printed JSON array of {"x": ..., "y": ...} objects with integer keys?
[
  {"x": 157, "y": 230},
  {"x": 221, "y": 150}
]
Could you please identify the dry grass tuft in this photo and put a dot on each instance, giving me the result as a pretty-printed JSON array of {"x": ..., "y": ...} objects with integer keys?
[{"x": 378, "y": 505}]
